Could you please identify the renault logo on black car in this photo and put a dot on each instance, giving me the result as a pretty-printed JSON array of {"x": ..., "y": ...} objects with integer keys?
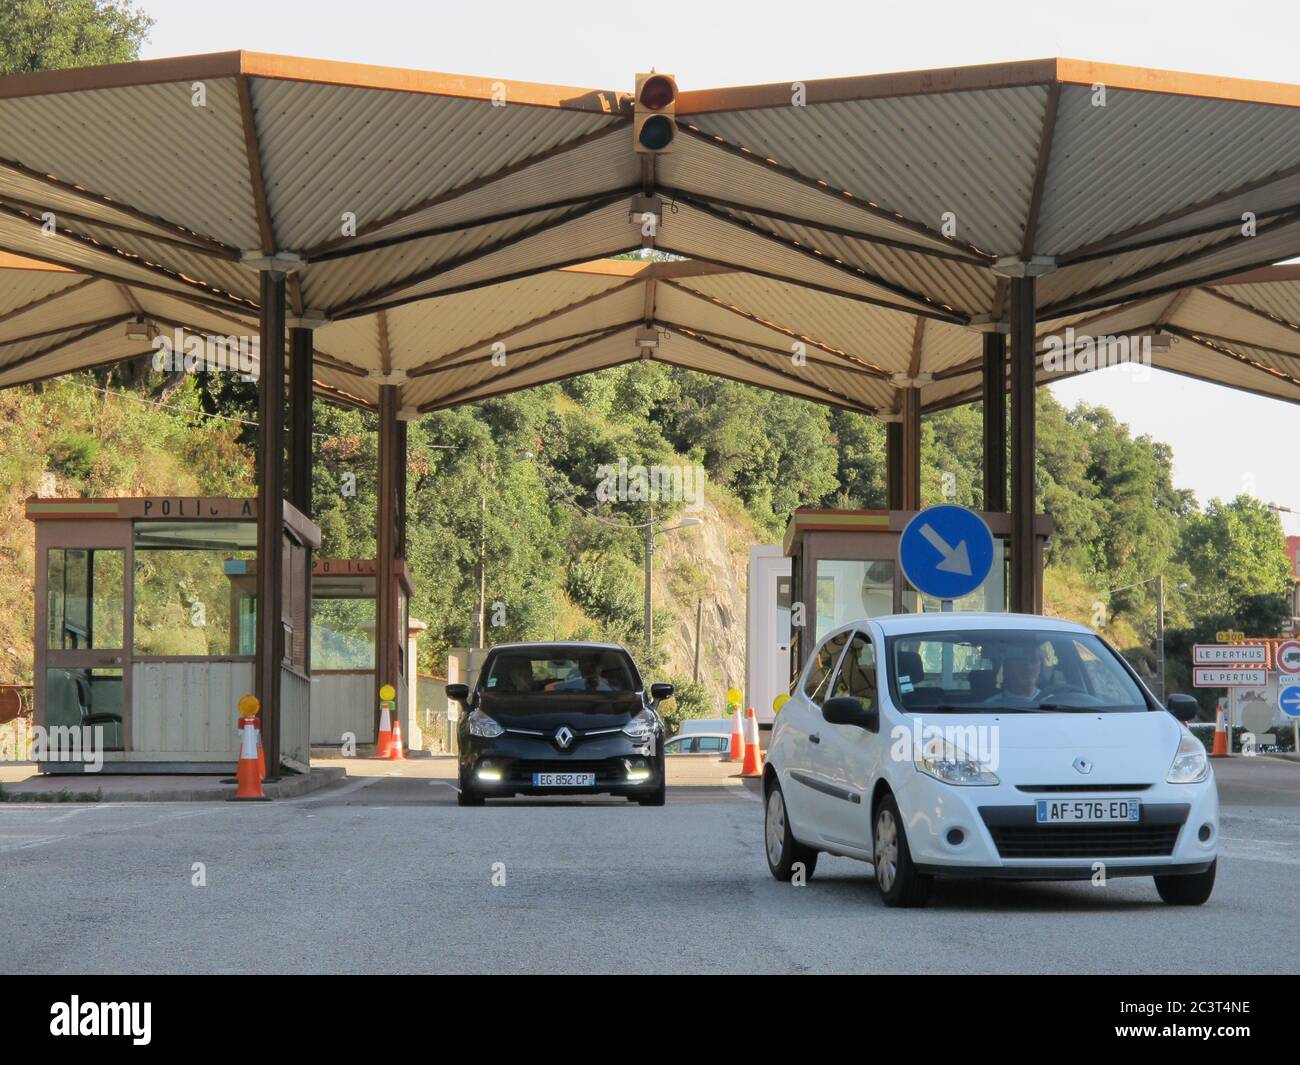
[{"x": 531, "y": 704}]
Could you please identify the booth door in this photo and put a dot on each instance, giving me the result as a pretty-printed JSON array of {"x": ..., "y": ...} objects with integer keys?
[{"x": 84, "y": 624}]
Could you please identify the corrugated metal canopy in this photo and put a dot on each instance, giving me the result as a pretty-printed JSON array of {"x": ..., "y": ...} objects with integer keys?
[
  {"x": 871, "y": 221},
  {"x": 1243, "y": 332}
]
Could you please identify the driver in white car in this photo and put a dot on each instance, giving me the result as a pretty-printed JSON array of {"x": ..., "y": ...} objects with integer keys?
[{"x": 1020, "y": 670}]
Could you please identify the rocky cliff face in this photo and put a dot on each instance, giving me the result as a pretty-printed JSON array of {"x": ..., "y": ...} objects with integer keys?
[{"x": 708, "y": 564}]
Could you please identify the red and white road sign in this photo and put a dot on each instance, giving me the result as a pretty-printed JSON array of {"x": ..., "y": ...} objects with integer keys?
[
  {"x": 1231, "y": 654},
  {"x": 1220, "y": 677},
  {"x": 1288, "y": 656}
]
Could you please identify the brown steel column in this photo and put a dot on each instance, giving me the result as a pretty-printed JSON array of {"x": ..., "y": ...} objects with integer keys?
[
  {"x": 391, "y": 459},
  {"x": 270, "y": 514},
  {"x": 995, "y": 421},
  {"x": 400, "y": 488},
  {"x": 300, "y": 421},
  {"x": 1024, "y": 572},
  {"x": 911, "y": 473},
  {"x": 894, "y": 465}
]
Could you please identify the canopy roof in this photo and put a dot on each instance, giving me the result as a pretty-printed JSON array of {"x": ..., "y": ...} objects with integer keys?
[
  {"x": 874, "y": 218},
  {"x": 1243, "y": 332}
]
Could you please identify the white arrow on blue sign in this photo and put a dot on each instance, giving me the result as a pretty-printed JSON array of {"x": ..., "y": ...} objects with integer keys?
[
  {"x": 1288, "y": 700},
  {"x": 946, "y": 551}
]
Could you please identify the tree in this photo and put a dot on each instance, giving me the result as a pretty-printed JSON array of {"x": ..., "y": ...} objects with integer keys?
[
  {"x": 57, "y": 34},
  {"x": 1237, "y": 553}
]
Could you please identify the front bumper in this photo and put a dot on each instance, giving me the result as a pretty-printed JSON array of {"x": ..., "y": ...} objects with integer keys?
[
  {"x": 505, "y": 765},
  {"x": 993, "y": 832}
]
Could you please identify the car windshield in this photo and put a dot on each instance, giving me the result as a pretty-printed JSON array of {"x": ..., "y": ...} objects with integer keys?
[
  {"x": 1016, "y": 670},
  {"x": 529, "y": 672}
]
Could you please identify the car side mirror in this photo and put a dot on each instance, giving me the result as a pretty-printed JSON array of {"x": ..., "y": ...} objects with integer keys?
[
  {"x": 1184, "y": 706},
  {"x": 458, "y": 692},
  {"x": 660, "y": 692},
  {"x": 846, "y": 710}
]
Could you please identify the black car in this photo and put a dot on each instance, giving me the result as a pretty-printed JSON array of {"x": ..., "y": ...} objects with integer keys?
[{"x": 560, "y": 718}]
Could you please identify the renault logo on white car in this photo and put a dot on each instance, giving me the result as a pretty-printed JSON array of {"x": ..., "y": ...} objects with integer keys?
[
  {"x": 563, "y": 737},
  {"x": 1083, "y": 765}
]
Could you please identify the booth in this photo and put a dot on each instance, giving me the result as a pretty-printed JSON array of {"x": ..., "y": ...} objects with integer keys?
[
  {"x": 344, "y": 683},
  {"x": 143, "y": 638},
  {"x": 835, "y": 566}
]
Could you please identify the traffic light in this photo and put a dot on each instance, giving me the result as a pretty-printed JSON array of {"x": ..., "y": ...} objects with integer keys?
[{"x": 655, "y": 122}]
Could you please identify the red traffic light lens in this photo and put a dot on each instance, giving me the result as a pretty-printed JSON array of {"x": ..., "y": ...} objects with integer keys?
[
  {"x": 657, "y": 92},
  {"x": 656, "y": 133}
]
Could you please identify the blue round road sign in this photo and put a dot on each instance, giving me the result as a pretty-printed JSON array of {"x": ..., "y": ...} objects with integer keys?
[
  {"x": 946, "y": 551},
  {"x": 1288, "y": 700}
]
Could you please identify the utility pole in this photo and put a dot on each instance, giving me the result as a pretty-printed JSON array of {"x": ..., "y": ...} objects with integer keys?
[
  {"x": 699, "y": 611},
  {"x": 649, "y": 576},
  {"x": 1160, "y": 637}
]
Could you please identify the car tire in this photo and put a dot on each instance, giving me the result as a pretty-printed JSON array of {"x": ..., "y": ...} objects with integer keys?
[
  {"x": 465, "y": 797},
  {"x": 658, "y": 797},
  {"x": 784, "y": 852},
  {"x": 1187, "y": 890},
  {"x": 900, "y": 883}
]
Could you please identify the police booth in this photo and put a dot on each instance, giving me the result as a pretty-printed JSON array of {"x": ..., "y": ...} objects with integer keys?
[
  {"x": 344, "y": 682},
  {"x": 140, "y": 639}
]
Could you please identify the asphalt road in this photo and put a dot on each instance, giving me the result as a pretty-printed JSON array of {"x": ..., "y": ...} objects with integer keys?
[{"x": 389, "y": 875}]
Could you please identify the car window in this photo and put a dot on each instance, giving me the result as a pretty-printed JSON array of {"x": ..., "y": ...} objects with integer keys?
[
  {"x": 680, "y": 745},
  {"x": 857, "y": 672},
  {"x": 712, "y": 743},
  {"x": 823, "y": 665}
]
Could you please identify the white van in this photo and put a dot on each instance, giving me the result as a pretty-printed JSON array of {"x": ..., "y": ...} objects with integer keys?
[{"x": 987, "y": 745}]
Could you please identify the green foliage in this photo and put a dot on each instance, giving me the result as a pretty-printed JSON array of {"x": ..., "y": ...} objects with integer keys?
[
  {"x": 57, "y": 34},
  {"x": 689, "y": 701}
]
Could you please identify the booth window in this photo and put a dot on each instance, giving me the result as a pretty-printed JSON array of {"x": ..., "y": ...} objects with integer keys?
[
  {"x": 343, "y": 623},
  {"x": 850, "y": 590},
  {"x": 84, "y": 589},
  {"x": 190, "y": 589}
]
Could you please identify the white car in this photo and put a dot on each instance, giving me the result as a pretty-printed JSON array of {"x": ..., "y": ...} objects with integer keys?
[{"x": 987, "y": 745}]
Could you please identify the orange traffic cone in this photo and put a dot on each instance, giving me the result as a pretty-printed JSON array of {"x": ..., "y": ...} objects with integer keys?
[
  {"x": 247, "y": 777},
  {"x": 737, "y": 751},
  {"x": 753, "y": 766},
  {"x": 261, "y": 754},
  {"x": 395, "y": 752},
  {"x": 1220, "y": 735},
  {"x": 385, "y": 743}
]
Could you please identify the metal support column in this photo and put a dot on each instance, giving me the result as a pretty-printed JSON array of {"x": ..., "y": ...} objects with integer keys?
[
  {"x": 911, "y": 430},
  {"x": 995, "y": 422},
  {"x": 391, "y": 458},
  {"x": 894, "y": 465},
  {"x": 1024, "y": 572},
  {"x": 270, "y": 514},
  {"x": 300, "y": 419}
]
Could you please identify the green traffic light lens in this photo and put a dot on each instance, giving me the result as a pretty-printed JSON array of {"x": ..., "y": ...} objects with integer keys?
[{"x": 656, "y": 133}]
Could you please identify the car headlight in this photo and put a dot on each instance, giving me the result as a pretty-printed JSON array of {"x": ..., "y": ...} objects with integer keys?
[
  {"x": 949, "y": 763},
  {"x": 482, "y": 725},
  {"x": 1191, "y": 766},
  {"x": 642, "y": 727}
]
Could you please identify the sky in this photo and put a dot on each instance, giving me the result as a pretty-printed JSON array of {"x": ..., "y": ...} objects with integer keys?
[{"x": 1224, "y": 442}]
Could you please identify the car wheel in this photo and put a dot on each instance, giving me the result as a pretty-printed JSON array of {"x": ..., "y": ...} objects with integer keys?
[
  {"x": 1193, "y": 890},
  {"x": 898, "y": 879},
  {"x": 784, "y": 852},
  {"x": 656, "y": 798},
  {"x": 465, "y": 797}
]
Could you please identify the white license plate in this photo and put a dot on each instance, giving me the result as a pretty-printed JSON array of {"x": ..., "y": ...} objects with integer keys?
[
  {"x": 1087, "y": 811},
  {"x": 564, "y": 780}
]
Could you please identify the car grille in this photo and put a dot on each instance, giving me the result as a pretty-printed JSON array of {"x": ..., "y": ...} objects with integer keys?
[
  {"x": 1085, "y": 841},
  {"x": 1044, "y": 789}
]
